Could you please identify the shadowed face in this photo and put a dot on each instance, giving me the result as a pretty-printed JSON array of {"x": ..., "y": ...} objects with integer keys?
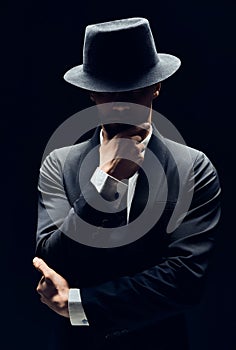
[{"x": 119, "y": 111}]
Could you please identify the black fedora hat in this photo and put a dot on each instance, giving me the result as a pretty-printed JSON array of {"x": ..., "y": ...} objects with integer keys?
[{"x": 120, "y": 56}]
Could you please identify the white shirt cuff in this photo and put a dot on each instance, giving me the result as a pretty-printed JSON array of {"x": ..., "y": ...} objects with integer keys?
[
  {"x": 76, "y": 310},
  {"x": 109, "y": 187}
]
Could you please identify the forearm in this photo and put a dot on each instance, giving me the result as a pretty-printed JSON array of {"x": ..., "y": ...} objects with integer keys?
[
  {"x": 56, "y": 243},
  {"x": 156, "y": 293}
]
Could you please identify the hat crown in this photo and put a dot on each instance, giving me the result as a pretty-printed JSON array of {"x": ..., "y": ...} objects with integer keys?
[
  {"x": 119, "y": 49},
  {"x": 117, "y": 24}
]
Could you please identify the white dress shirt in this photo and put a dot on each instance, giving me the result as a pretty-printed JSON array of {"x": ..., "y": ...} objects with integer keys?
[{"x": 99, "y": 179}]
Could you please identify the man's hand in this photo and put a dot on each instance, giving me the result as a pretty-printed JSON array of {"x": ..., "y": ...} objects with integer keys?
[
  {"x": 122, "y": 155},
  {"x": 53, "y": 288}
]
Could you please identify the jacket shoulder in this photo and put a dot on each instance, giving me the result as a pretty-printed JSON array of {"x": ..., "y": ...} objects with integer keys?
[
  {"x": 179, "y": 150},
  {"x": 186, "y": 156},
  {"x": 68, "y": 153}
]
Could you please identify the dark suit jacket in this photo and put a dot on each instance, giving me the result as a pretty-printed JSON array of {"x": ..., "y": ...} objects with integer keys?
[{"x": 134, "y": 295}]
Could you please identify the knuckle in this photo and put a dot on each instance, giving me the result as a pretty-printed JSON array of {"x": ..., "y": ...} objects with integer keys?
[
  {"x": 41, "y": 280},
  {"x": 58, "y": 302},
  {"x": 43, "y": 300},
  {"x": 48, "y": 274},
  {"x": 38, "y": 289},
  {"x": 40, "y": 263}
]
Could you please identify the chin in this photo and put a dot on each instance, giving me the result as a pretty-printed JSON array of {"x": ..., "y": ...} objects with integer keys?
[{"x": 115, "y": 128}]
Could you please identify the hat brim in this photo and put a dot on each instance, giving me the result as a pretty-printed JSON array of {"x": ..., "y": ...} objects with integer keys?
[{"x": 167, "y": 66}]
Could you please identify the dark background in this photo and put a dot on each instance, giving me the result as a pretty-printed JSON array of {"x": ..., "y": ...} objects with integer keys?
[{"x": 39, "y": 42}]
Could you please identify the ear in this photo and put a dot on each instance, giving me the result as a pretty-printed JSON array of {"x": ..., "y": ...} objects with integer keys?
[{"x": 157, "y": 90}]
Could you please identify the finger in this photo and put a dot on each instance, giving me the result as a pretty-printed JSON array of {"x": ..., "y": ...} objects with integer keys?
[
  {"x": 42, "y": 267},
  {"x": 41, "y": 285},
  {"x": 105, "y": 135},
  {"x": 141, "y": 147},
  {"x": 45, "y": 291},
  {"x": 138, "y": 128},
  {"x": 42, "y": 280},
  {"x": 48, "y": 303},
  {"x": 44, "y": 300},
  {"x": 136, "y": 138},
  {"x": 39, "y": 291},
  {"x": 45, "y": 282}
]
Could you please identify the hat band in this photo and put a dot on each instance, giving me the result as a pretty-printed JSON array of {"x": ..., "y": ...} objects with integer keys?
[{"x": 119, "y": 73}]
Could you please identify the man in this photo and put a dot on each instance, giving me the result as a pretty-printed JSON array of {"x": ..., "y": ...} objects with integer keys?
[{"x": 111, "y": 261}]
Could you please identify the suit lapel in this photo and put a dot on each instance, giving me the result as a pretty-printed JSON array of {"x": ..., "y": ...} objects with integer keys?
[
  {"x": 149, "y": 182},
  {"x": 88, "y": 161},
  {"x": 77, "y": 170}
]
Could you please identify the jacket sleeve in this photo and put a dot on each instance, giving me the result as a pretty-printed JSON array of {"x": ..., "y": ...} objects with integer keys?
[
  {"x": 62, "y": 225},
  {"x": 131, "y": 302}
]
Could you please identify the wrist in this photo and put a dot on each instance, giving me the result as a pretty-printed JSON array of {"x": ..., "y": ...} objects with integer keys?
[
  {"x": 65, "y": 303},
  {"x": 108, "y": 168}
]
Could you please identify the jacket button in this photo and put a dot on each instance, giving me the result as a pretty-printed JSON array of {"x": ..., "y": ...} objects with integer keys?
[
  {"x": 113, "y": 335},
  {"x": 108, "y": 336},
  {"x": 116, "y": 334}
]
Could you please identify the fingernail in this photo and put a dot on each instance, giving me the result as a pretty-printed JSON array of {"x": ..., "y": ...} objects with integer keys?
[{"x": 35, "y": 260}]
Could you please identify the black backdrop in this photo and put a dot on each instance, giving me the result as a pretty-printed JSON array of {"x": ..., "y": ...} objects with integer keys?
[{"x": 39, "y": 42}]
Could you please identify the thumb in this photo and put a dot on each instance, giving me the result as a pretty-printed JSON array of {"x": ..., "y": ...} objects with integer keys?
[
  {"x": 105, "y": 135},
  {"x": 42, "y": 267}
]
